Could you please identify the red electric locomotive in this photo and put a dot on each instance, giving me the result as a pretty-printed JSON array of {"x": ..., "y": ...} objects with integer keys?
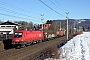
[{"x": 23, "y": 38}]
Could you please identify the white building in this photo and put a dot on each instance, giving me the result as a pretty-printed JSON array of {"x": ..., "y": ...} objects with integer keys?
[{"x": 8, "y": 27}]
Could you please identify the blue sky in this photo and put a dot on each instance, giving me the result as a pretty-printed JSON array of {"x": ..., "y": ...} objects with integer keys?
[{"x": 31, "y": 10}]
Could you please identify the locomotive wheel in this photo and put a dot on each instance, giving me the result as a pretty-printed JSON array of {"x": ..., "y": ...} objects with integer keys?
[
  {"x": 32, "y": 43},
  {"x": 28, "y": 44},
  {"x": 35, "y": 42},
  {"x": 23, "y": 45},
  {"x": 18, "y": 47},
  {"x": 39, "y": 41},
  {"x": 43, "y": 40}
]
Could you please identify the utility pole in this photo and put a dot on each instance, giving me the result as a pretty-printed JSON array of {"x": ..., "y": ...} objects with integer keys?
[
  {"x": 60, "y": 25},
  {"x": 74, "y": 26},
  {"x": 42, "y": 18},
  {"x": 67, "y": 23}
]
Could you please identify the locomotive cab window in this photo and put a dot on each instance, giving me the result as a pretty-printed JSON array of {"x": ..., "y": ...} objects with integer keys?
[{"x": 18, "y": 34}]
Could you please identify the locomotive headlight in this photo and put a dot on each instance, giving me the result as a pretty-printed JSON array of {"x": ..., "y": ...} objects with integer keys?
[
  {"x": 17, "y": 40},
  {"x": 21, "y": 39}
]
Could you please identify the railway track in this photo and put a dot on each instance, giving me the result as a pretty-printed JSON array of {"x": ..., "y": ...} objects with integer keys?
[{"x": 30, "y": 52}]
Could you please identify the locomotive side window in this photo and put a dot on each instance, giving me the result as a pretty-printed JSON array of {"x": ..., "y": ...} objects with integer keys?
[{"x": 18, "y": 34}]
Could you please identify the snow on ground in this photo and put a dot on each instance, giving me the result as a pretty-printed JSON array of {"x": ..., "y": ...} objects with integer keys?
[{"x": 78, "y": 48}]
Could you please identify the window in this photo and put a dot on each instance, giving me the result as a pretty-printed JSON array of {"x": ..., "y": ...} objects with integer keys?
[
  {"x": 18, "y": 34},
  {"x": 8, "y": 26},
  {"x": 2, "y": 26}
]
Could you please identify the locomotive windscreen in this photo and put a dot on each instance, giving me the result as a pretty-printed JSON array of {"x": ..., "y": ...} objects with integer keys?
[{"x": 18, "y": 35}]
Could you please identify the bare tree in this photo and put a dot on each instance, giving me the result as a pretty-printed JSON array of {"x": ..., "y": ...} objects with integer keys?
[
  {"x": 30, "y": 25},
  {"x": 53, "y": 27}
]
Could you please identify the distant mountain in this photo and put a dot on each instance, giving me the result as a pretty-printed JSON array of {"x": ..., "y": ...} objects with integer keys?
[{"x": 74, "y": 22}]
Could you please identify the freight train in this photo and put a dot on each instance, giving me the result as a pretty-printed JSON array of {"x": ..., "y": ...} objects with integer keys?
[{"x": 22, "y": 38}]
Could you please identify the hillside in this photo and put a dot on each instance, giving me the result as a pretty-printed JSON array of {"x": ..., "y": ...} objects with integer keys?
[{"x": 74, "y": 22}]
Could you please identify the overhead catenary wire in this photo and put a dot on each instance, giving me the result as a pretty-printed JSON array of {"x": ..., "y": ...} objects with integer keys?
[
  {"x": 17, "y": 8},
  {"x": 14, "y": 16},
  {"x": 56, "y": 5},
  {"x": 15, "y": 12},
  {"x": 11, "y": 11},
  {"x": 51, "y": 8},
  {"x": 61, "y": 6}
]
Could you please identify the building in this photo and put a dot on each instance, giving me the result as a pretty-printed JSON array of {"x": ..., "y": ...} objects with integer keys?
[
  {"x": 8, "y": 27},
  {"x": 45, "y": 26}
]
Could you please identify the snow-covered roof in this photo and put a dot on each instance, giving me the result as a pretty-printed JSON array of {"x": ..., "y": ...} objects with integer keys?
[{"x": 8, "y": 23}]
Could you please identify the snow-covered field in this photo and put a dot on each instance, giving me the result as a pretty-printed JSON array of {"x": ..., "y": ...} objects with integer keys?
[{"x": 78, "y": 48}]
